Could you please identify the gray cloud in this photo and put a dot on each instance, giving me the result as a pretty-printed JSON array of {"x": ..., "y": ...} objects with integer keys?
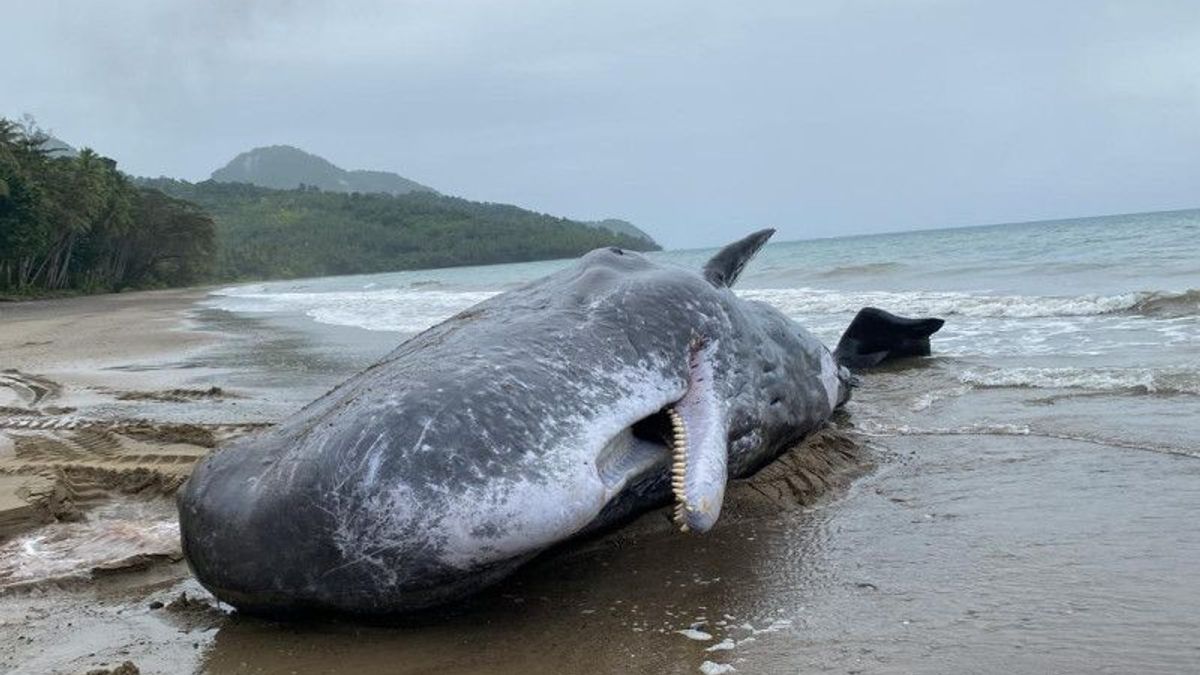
[{"x": 698, "y": 121}]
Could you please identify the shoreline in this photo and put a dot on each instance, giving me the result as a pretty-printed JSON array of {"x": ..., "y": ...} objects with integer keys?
[
  {"x": 902, "y": 552},
  {"x": 84, "y": 339},
  {"x": 98, "y": 428},
  {"x": 123, "y": 374},
  {"x": 63, "y": 360}
]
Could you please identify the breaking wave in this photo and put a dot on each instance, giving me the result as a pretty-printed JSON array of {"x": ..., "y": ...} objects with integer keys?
[
  {"x": 404, "y": 311},
  {"x": 948, "y": 303},
  {"x": 1169, "y": 305},
  {"x": 410, "y": 309}
]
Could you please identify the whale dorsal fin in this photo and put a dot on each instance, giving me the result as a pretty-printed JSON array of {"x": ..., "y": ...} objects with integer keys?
[{"x": 724, "y": 267}]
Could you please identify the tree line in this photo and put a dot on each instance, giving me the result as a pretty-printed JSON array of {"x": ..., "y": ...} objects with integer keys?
[{"x": 75, "y": 222}]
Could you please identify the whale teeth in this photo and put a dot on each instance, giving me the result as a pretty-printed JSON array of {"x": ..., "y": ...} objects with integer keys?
[
  {"x": 679, "y": 518},
  {"x": 679, "y": 447}
]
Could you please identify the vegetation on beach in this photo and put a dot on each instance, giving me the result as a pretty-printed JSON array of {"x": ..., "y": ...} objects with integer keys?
[{"x": 74, "y": 222}]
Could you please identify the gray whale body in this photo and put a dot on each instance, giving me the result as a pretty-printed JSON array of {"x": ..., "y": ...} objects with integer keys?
[{"x": 567, "y": 406}]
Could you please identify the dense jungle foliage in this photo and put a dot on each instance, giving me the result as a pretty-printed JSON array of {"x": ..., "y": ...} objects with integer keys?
[
  {"x": 74, "y": 222},
  {"x": 267, "y": 233}
]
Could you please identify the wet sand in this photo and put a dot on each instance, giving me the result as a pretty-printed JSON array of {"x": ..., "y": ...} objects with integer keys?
[
  {"x": 63, "y": 355},
  {"x": 874, "y": 548}
]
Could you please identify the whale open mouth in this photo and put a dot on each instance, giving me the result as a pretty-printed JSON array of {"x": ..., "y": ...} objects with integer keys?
[
  {"x": 679, "y": 463},
  {"x": 689, "y": 435}
]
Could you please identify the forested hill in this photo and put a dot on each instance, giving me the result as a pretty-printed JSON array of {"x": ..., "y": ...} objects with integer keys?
[
  {"x": 283, "y": 167},
  {"x": 266, "y": 233},
  {"x": 621, "y": 227}
]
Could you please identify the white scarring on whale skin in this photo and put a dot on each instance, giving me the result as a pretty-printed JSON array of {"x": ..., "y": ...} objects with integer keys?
[{"x": 538, "y": 415}]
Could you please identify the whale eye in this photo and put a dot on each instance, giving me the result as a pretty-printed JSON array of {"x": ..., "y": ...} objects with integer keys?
[{"x": 616, "y": 250}]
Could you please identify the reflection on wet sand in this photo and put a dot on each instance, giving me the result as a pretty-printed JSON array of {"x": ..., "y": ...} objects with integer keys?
[
  {"x": 979, "y": 554},
  {"x": 609, "y": 608}
]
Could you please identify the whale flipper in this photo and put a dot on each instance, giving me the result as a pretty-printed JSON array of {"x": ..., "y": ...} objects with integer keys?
[
  {"x": 875, "y": 336},
  {"x": 724, "y": 267}
]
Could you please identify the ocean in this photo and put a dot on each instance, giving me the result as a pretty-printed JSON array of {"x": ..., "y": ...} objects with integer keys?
[{"x": 1033, "y": 502}]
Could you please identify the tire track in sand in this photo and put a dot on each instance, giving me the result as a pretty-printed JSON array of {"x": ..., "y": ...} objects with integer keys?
[{"x": 53, "y": 464}]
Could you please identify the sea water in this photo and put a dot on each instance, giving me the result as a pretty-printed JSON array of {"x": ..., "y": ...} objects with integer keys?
[{"x": 1095, "y": 304}]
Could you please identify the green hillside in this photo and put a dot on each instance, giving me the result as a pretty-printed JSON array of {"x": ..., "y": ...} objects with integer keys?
[
  {"x": 265, "y": 233},
  {"x": 283, "y": 167}
]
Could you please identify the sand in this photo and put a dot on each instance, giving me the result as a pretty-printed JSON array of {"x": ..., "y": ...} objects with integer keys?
[
  {"x": 83, "y": 340},
  {"x": 60, "y": 450}
]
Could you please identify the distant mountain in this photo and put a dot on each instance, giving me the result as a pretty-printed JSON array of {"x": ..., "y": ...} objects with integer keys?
[
  {"x": 283, "y": 167},
  {"x": 620, "y": 227}
]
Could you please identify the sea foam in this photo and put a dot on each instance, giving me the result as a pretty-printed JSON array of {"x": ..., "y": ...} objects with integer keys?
[
  {"x": 413, "y": 310},
  {"x": 951, "y": 303},
  {"x": 1127, "y": 380}
]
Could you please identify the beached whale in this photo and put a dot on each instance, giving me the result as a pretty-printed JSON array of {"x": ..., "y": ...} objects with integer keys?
[{"x": 548, "y": 412}]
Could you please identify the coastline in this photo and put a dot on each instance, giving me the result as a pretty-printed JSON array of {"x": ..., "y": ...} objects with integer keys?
[
  {"x": 83, "y": 339},
  {"x": 64, "y": 358},
  {"x": 938, "y": 527}
]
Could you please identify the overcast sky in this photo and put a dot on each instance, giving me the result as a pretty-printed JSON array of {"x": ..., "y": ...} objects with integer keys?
[{"x": 697, "y": 121}]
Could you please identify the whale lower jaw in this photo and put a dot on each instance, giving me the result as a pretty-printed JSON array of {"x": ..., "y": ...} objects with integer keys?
[
  {"x": 688, "y": 436},
  {"x": 374, "y": 600}
]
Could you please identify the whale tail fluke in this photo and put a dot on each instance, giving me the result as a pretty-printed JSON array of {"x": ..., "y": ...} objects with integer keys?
[{"x": 875, "y": 336}]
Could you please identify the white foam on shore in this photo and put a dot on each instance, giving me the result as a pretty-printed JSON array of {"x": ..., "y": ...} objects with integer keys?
[
  {"x": 883, "y": 429},
  {"x": 1136, "y": 380},
  {"x": 943, "y": 303},
  {"x": 396, "y": 310},
  {"x": 986, "y": 325},
  {"x": 407, "y": 310}
]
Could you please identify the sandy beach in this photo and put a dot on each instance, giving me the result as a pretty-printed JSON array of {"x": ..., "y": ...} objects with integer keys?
[
  {"x": 99, "y": 428},
  {"x": 61, "y": 356},
  {"x": 897, "y": 302},
  {"x": 924, "y": 532}
]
